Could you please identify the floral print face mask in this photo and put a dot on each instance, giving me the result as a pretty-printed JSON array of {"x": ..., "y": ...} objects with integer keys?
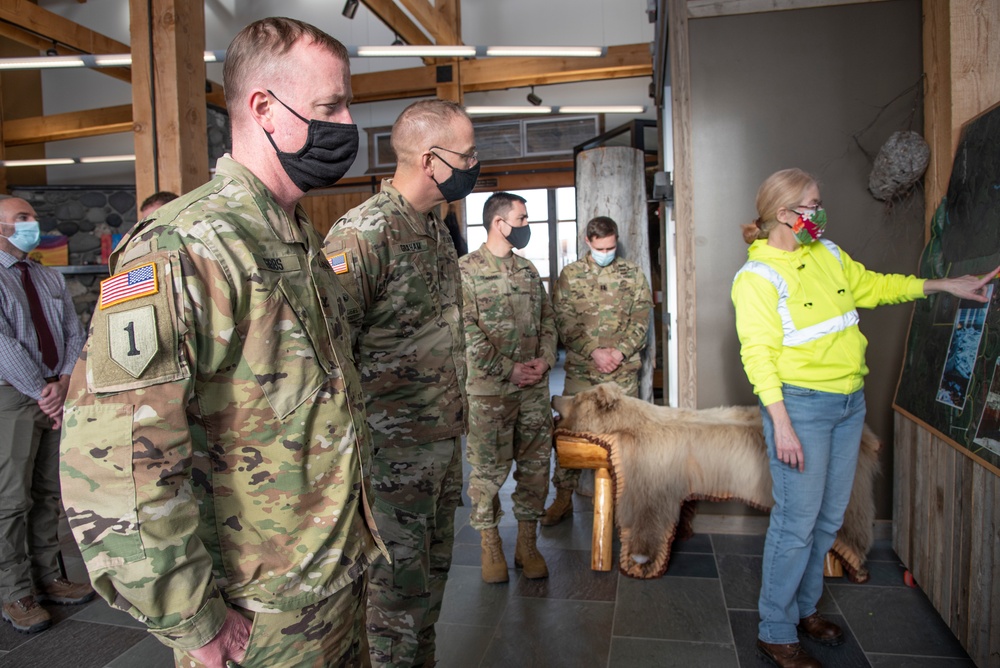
[{"x": 809, "y": 226}]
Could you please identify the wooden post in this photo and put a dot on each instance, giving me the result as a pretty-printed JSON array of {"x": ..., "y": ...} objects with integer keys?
[
  {"x": 832, "y": 567},
  {"x": 578, "y": 453},
  {"x": 611, "y": 181},
  {"x": 600, "y": 548},
  {"x": 679, "y": 58},
  {"x": 168, "y": 95}
]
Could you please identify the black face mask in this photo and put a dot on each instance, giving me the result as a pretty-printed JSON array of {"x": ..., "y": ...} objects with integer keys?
[
  {"x": 519, "y": 236},
  {"x": 460, "y": 183},
  {"x": 326, "y": 156}
]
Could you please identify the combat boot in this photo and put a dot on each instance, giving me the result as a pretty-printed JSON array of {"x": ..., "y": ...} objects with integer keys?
[
  {"x": 494, "y": 564},
  {"x": 526, "y": 554},
  {"x": 560, "y": 509}
]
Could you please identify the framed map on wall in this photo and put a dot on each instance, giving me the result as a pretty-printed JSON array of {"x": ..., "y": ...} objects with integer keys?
[{"x": 950, "y": 381}]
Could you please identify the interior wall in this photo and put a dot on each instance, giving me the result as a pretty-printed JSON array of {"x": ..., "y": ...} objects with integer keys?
[{"x": 793, "y": 89}]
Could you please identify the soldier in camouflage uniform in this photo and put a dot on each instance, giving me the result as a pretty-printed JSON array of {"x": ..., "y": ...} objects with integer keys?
[
  {"x": 214, "y": 441},
  {"x": 395, "y": 258},
  {"x": 510, "y": 338},
  {"x": 602, "y": 305}
]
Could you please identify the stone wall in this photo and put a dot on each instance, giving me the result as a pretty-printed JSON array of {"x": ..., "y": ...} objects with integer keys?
[{"x": 83, "y": 214}]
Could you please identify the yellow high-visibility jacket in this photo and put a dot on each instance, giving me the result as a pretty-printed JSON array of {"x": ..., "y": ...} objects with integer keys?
[{"x": 797, "y": 319}]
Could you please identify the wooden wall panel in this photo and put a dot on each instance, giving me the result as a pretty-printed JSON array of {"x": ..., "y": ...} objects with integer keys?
[
  {"x": 946, "y": 506},
  {"x": 947, "y": 532},
  {"x": 324, "y": 209}
]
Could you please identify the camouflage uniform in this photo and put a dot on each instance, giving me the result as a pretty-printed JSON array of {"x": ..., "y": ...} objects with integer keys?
[
  {"x": 508, "y": 319},
  {"x": 214, "y": 436},
  {"x": 600, "y": 307},
  {"x": 400, "y": 270}
]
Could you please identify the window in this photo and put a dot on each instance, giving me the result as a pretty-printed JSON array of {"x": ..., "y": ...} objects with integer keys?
[
  {"x": 507, "y": 140},
  {"x": 552, "y": 218}
]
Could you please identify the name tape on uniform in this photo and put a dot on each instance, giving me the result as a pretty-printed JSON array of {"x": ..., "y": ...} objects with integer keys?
[
  {"x": 339, "y": 263},
  {"x": 131, "y": 284}
]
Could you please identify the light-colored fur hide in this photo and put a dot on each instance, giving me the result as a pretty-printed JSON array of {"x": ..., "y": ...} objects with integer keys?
[{"x": 663, "y": 458}]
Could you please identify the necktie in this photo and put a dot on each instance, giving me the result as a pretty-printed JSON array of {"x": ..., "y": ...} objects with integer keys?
[{"x": 50, "y": 356}]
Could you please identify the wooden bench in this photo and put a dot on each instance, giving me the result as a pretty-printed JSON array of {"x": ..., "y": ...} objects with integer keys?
[{"x": 574, "y": 452}]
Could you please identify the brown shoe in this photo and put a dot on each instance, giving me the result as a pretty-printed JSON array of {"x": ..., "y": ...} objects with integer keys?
[
  {"x": 64, "y": 592},
  {"x": 821, "y": 630},
  {"x": 526, "y": 555},
  {"x": 493, "y": 562},
  {"x": 787, "y": 656},
  {"x": 26, "y": 616},
  {"x": 561, "y": 508}
]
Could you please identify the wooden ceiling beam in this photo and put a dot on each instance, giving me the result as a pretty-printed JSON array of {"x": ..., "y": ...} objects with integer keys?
[
  {"x": 450, "y": 12},
  {"x": 71, "y": 125},
  {"x": 626, "y": 61},
  {"x": 27, "y": 23},
  {"x": 31, "y": 17},
  {"x": 438, "y": 24},
  {"x": 396, "y": 20},
  {"x": 394, "y": 84},
  {"x": 698, "y": 9}
]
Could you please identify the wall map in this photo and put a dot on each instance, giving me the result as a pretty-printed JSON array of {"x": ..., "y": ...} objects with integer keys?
[{"x": 950, "y": 379}]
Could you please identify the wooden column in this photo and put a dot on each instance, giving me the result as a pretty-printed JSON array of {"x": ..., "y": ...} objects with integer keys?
[
  {"x": 960, "y": 58},
  {"x": 610, "y": 181},
  {"x": 680, "y": 86},
  {"x": 168, "y": 95}
]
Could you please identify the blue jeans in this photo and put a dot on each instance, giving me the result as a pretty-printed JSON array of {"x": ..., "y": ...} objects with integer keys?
[{"x": 809, "y": 506}]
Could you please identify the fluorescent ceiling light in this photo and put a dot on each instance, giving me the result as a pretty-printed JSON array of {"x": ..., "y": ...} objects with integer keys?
[
  {"x": 601, "y": 109},
  {"x": 40, "y": 62},
  {"x": 416, "y": 50},
  {"x": 389, "y": 51},
  {"x": 110, "y": 60},
  {"x": 50, "y": 162},
  {"x": 513, "y": 109},
  {"x": 41, "y": 162},
  {"x": 547, "y": 51},
  {"x": 525, "y": 109},
  {"x": 106, "y": 158}
]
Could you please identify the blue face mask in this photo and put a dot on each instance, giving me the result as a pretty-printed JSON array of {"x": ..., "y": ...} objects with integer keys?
[
  {"x": 26, "y": 236},
  {"x": 603, "y": 258}
]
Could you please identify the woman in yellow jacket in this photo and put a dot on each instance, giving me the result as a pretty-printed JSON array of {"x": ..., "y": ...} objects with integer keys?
[{"x": 796, "y": 302}]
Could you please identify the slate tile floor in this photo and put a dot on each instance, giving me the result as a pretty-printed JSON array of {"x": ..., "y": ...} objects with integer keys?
[{"x": 701, "y": 614}]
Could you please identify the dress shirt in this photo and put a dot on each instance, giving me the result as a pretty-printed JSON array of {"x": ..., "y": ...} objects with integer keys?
[{"x": 20, "y": 358}]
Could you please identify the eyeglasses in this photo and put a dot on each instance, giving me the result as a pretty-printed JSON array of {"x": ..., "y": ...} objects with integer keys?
[
  {"x": 470, "y": 158},
  {"x": 808, "y": 207}
]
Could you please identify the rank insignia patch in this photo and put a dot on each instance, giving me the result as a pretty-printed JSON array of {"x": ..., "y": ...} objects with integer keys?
[
  {"x": 131, "y": 284},
  {"x": 339, "y": 263}
]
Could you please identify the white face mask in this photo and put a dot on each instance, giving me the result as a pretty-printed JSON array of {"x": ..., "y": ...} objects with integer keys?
[
  {"x": 603, "y": 258},
  {"x": 26, "y": 236}
]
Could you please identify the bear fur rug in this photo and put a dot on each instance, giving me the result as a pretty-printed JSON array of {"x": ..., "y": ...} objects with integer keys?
[{"x": 664, "y": 459}]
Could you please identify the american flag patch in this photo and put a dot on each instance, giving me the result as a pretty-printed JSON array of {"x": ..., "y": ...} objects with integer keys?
[
  {"x": 127, "y": 285},
  {"x": 339, "y": 263}
]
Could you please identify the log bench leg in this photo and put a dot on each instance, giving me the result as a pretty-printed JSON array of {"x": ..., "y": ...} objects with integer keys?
[
  {"x": 600, "y": 549},
  {"x": 832, "y": 568}
]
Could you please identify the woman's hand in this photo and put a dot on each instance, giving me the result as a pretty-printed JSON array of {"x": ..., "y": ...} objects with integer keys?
[
  {"x": 963, "y": 287},
  {"x": 786, "y": 442}
]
